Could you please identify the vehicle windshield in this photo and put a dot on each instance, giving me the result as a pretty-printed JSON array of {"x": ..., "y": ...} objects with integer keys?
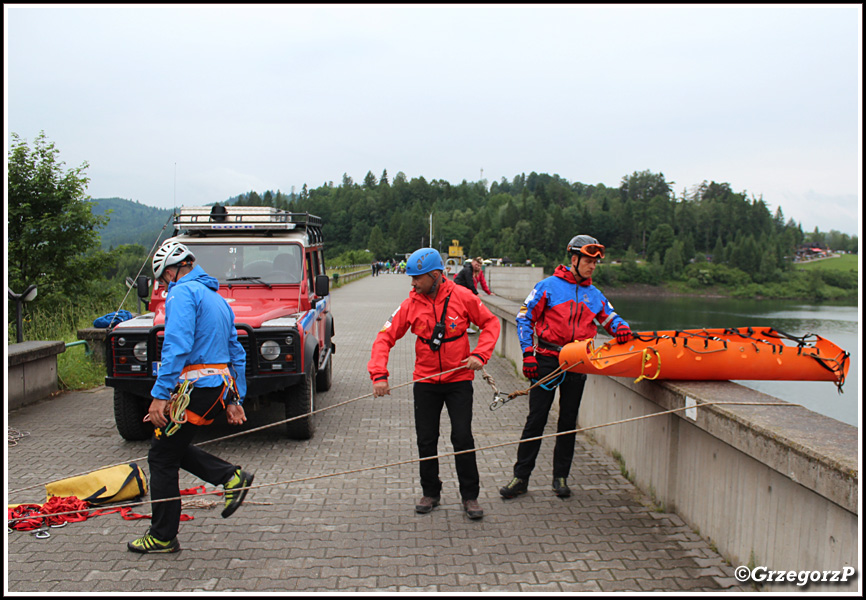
[{"x": 254, "y": 263}]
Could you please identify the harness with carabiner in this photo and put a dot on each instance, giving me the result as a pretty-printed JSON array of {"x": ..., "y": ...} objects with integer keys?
[{"x": 178, "y": 410}]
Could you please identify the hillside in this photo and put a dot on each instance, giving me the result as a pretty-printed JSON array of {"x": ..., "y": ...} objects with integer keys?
[{"x": 131, "y": 222}]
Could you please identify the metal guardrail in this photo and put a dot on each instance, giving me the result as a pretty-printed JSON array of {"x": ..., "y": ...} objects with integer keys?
[
  {"x": 341, "y": 278},
  {"x": 87, "y": 350}
]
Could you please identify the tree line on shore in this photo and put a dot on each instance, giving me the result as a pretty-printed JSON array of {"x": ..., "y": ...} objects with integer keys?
[{"x": 708, "y": 236}]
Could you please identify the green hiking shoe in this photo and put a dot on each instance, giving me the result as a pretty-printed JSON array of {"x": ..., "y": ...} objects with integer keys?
[
  {"x": 560, "y": 487},
  {"x": 514, "y": 488},
  {"x": 234, "y": 495},
  {"x": 147, "y": 544}
]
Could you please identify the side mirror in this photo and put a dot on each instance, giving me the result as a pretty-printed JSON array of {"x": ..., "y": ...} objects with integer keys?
[
  {"x": 323, "y": 285},
  {"x": 142, "y": 285}
]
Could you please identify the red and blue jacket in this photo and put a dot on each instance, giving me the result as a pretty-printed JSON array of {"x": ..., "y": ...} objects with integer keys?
[{"x": 559, "y": 310}]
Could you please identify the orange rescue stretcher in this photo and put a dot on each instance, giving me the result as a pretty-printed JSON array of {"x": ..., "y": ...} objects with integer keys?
[{"x": 741, "y": 353}]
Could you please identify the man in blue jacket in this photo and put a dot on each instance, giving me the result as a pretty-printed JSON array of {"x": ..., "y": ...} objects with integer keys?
[
  {"x": 200, "y": 347},
  {"x": 560, "y": 309}
]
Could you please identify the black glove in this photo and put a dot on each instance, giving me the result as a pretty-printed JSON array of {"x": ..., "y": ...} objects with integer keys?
[
  {"x": 623, "y": 334},
  {"x": 530, "y": 366}
]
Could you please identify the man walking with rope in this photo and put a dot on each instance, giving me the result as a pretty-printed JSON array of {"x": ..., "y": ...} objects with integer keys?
[
  {"x": 201, "y": 374},
  {"x": 559, "y": 310},
  {"x": 439, "y": 312}
]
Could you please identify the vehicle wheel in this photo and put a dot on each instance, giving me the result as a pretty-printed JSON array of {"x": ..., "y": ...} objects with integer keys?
[
  {"x": 129, "y": 410},
  {"x": 323, "y": 377},
  {"x": 301, "y": 400}
]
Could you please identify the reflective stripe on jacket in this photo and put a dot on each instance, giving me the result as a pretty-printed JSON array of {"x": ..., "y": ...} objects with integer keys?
[
  {"x": 416, "y": 313},
  {"x": 559, "y": 311}
]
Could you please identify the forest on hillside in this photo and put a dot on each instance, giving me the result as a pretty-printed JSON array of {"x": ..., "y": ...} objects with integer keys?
[{"x": 532, "y": 217}]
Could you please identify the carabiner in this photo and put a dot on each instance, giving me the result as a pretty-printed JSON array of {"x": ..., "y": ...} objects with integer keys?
[
  {"x": 498, "y": 400},
  {"x": 41, "y": 533}
]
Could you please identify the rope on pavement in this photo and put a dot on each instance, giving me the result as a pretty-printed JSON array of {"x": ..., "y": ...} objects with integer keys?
[
  {"x": 448, "y": 454},
  {"x": 245, "y": 432},
  {"x": 13, "y": 435}
]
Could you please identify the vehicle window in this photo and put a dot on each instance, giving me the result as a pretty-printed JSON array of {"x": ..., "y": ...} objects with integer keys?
[
  {"x": 273, "y": 263},
  {"x": 311, "y": 266}
]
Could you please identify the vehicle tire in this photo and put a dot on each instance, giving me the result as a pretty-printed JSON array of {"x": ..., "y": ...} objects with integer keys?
[
  {"x": 129, "y": 412},
  {"x": 323, "y": 377},
  {"x": 301, "y": 400}
]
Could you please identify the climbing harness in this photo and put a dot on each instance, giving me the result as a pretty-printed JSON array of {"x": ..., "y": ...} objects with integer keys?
[{"x": 178, "y": 411}]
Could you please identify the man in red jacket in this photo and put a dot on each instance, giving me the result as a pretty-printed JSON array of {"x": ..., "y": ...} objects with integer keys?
[{"x": 438, "y": 312}]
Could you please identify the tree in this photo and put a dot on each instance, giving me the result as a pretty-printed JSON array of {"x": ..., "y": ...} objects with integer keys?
[
  {"x": 660, "y": 240},
  {"x": 53, "y": 233},
  {"x": 377, "y": 244},
  {"x": 370, "y": 181},
  {"x": 673, "y": 263}
]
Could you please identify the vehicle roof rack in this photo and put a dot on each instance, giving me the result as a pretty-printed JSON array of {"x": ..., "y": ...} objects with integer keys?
[{"x": 249, "y": 220}]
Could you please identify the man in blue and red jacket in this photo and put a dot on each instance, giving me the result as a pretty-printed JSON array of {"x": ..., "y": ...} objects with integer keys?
[{"x": 559, "y": 310}]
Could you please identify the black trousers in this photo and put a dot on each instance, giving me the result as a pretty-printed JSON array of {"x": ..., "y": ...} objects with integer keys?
[
  {"x": 168, "y": 454},
  {"x": 429, "y": 399},
  {"x": 540, "y": 401}
]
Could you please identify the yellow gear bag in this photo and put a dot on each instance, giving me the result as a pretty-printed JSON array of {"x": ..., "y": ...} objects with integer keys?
[{"x": 112, "y": 484}]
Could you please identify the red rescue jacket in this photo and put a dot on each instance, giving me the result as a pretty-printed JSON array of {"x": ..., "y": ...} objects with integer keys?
[{"x": 420, "y": 314}]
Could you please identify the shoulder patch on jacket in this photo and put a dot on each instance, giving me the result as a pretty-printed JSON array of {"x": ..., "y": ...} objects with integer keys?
[{"x": 388, "y": 322}]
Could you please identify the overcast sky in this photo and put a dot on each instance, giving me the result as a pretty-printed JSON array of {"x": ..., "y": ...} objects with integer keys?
[{"x": 195, "y": 104}]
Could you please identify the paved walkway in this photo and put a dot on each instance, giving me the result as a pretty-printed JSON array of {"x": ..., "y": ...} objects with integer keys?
[{"x": 359, "y": 532}]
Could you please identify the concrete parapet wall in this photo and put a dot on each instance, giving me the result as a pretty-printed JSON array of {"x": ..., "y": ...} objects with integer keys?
[
  {"x": 95, "y": 337},
  {"x": 32, "y": 373},
  {"x": 773, "y": 486},
  {"x": 513, "y": 283}
]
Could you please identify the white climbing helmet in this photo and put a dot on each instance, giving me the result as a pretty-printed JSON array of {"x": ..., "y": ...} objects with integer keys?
[{"x": 170, "y": 253}]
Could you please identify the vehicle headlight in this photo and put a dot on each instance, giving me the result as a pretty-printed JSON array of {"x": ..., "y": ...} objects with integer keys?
[
  {"x": 270, "y": 350},
  {"x": 140, "y": 351}
]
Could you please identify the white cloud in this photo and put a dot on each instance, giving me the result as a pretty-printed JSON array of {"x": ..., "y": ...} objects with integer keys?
[{"x": 763, "y": 97}]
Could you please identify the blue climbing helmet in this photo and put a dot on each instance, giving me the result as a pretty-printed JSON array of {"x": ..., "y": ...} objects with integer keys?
[{"x": 423, "y": 261}]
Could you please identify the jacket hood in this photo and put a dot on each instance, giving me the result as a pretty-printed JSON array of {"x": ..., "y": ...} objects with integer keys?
[
  {"x": 565, "y": 273},
  {"x": 198, "y": 274}
]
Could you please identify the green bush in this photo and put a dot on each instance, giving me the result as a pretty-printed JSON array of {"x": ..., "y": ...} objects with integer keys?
[{"x": 48, "y": 322}]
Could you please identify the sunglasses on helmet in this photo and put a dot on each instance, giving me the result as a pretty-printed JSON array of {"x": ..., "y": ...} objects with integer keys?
[{"x": 593, "y": 250}]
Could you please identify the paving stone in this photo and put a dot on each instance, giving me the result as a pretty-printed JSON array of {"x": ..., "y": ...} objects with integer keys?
[{"x": 356, "y": 532}]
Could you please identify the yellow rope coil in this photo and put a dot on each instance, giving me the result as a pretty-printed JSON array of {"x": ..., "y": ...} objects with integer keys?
[{"x": 177, "y": 407}]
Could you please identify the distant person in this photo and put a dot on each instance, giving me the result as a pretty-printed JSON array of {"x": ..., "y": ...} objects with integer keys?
[
  {"x": 466, "y": 278},
  {"x": 560, "y": 309},
  {"x": 200, "y": 345},
  {"x": 478, "y": 275},
  {"x": 438, "y": 312}
]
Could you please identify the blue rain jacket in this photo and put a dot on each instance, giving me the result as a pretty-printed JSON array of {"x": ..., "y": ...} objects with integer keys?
[{"x": 199, "y": 329}]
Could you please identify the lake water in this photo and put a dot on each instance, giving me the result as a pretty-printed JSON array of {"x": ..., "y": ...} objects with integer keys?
[{"x": 837, "y": 323}]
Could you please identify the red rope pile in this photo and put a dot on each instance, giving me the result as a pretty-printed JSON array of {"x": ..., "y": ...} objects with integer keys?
[{"x": 35, "y": 516}]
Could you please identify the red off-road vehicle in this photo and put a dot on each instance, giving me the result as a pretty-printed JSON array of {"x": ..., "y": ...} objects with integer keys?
[{"x": 271, "y": 269}]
